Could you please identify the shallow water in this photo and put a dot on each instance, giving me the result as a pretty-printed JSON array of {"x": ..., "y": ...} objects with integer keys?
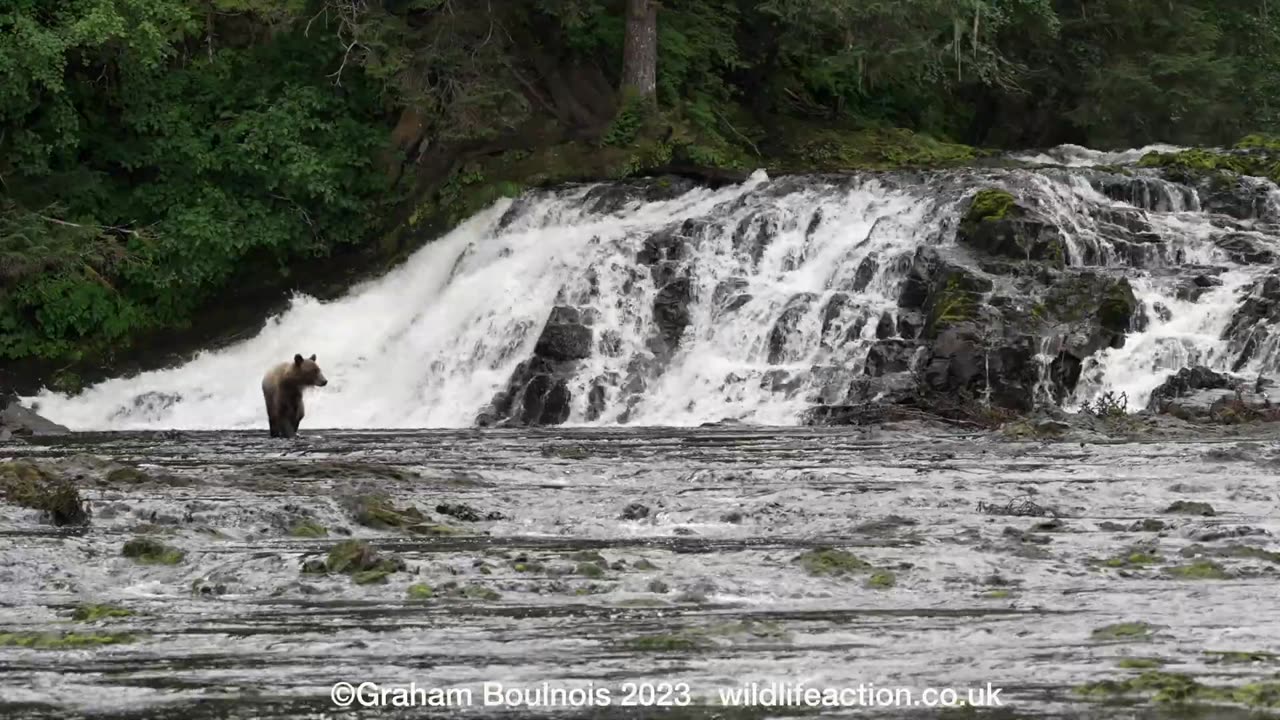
[{"x": 237, "y": 631}]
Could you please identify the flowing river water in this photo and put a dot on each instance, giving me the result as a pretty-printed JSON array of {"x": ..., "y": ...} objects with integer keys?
[{"x": 706, "y": 558}]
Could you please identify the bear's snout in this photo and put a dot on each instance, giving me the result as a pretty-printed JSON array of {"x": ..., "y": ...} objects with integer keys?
[{"x": 321, "y": 382}]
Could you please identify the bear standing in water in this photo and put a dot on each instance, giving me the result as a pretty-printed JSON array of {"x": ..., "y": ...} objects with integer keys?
[{"x": 282, "y": 388}]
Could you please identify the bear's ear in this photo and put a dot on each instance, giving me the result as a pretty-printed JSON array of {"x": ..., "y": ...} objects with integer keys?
[
  {"x": 297, "y": 359},
  {"x": 313, "y": 357}
]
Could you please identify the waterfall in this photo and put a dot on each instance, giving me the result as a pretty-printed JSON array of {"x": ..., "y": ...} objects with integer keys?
[{"x": 753, "y": 302}]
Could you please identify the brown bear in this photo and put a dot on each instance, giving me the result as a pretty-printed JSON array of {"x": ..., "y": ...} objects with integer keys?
[{"x": 282, "y": 389}]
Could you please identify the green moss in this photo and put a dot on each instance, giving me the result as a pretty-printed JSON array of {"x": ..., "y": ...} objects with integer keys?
[
  {"x": 832, "y": 562},
  {"x": 63, "y": 641},
  {"x": 357, "y": 559},
  {"x": 1247, "y": 552},
  {"x": 419, "y": 591},
  {"x": 1136, "y": 663},
  {"x": 147, "y": 551},
  {"x": 999, "y": 594},
  {"x": 127, "y": 476},
  {"x": 1214, "y": 165},
  {"x": 882, "y": 580},
  {"x": 1200, "y": 570},
  {"x": 590, "y": 570},
  {"x": 1133, "y": 559},
  {"x": 1164, "y": 687},
  {"x": 1124, "y": 631},
  {"x": 956, "y": 301},
  {"x": 673, "y": 642},
  {"x": 94, "y": 613},
  {"x": 815, "y": 147},
  {"x": 377, "y": 512},
  {"x": 1259, "y": 141},
  {"x": 989, "y": 204},
  {"x": 1236, "y": 657},
  {"x": 308, "y": 529}
]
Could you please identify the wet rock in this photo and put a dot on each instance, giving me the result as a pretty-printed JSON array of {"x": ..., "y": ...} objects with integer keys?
[
  {"x": 466, "y": 513},
  {"x": 537, "y": 394},
  {"x": 149, "y": 551},
  {"x": 1190, "y": 507},
  {"x": 33, "y": 486},
  {"x": 1185, "y": 382},
  {"x": 889, "y": 356},
  {"x": 635, "y": 511},
  {"x": 997, "y": 224},
  {"x": 779, "y": 337},
  {"x": 671, "y": 312},
  {"x": 19, "y": 421},
  {"x": 564, "y": 337},
  {"x": 364, "y": 564},
  {"x": 1245, "y": 249}
]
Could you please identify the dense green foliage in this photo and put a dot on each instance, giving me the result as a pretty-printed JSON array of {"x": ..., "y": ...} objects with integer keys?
[{"x": 158, "y": 154}]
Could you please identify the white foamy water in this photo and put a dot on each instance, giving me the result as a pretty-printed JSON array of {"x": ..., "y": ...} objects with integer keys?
[
  {"x": 790, "y": 283},
  {"x": 1076, "y": 156}
]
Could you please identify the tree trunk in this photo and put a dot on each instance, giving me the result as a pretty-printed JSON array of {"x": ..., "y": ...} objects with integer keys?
[{"x": 640, "y": 48}]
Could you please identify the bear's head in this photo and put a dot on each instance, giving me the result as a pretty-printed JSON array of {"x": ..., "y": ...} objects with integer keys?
[{"x": 305, "y": 371}]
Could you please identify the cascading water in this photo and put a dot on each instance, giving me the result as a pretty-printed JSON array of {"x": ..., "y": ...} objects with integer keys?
[{"x": 752, "y": 302}]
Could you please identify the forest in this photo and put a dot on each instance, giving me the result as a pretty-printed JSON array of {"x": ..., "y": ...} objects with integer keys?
[{"x": 165, "y": 164}]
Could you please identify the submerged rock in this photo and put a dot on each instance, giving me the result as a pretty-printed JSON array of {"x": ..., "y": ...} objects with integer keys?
[{"x": 34, "y": 486}]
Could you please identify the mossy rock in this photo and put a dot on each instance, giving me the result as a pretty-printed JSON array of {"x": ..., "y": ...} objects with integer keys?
[
  {"x": 833, "y": 562},
  {"x": 989, "y": 205},
  {"x": 308, "y": 529},
  {"x": 1140, "y": 663},
  {"x": 1124, "y": 631},
  {"x": 1200, "y": 570},
  {"x": 377, "y": 512},
  {"x": 352, "y": 557},
  {"x": 147, "y": 551},
  {"x": 882, "y": 580},
  {"x": 63, "y": 641},
  {"x": 469, "y": 592},
  {"x": 32, "y": 486},
  {"x": 1236, "y": 657},
  {"x": 419, "y": 591},
  {"x": 1165, "y": 687},
  {"x": 127, "y": 476},
  {"x": 1191, "y": 507},
  {"x": 94, "y": 613},
  {"x": 671, "y": 642}
]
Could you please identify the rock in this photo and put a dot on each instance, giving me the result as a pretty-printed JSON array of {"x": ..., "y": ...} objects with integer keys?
[
  {"x": 34, "y": 486},
  {"x": 1245, "y": 249},
  {"x": 635, "y": 511},
  {"x": 997, "y": 224},
  {"x": 1187, "y": 389},
  {"x": 22, "y": 422},
  {"x": 795, "y": 309},
  {"x": 564, "y": 337},
  {"x": 889, "y": 356}
]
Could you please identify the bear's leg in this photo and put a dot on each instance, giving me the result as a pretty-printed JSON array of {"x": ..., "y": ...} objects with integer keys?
[{"x": 272, "y": 412}]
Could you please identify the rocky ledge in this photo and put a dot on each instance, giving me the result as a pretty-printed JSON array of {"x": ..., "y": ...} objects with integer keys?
[{"x": 17, "y": 421}]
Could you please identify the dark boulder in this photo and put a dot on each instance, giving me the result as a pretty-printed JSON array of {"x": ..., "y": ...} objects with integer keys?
[
  {"x": 780, "y": 336},
  {"x": 1252, "y": 324},
  {"x": 565, "y": 336},
  {"x": 996, "y": 224},
  {"x": 889, "y": 356},
  {"x": 18, "y": 421},
  {"x": 1186, "y": 382},
  {"x": 1245, "y": 249}
]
